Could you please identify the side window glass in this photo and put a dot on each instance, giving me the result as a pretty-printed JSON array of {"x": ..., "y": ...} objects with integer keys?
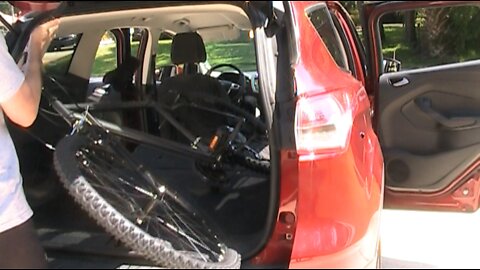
[
  {"x": 106, "y": 57},
  {"x": 9, "y": 13},
  {"x": 136, "y": 35},
  {"x": 59, "y": 54},
  {"x": 325, "y": 27},
  {"x": 163, "y": 64},
  {"x": 429, "y": 37},
  {"x": 346, "y": 43},
  {"x": 239, "y": 51}
]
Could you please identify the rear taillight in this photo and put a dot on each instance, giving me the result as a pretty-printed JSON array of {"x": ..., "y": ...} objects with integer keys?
[{"x": 322, "y": 125}]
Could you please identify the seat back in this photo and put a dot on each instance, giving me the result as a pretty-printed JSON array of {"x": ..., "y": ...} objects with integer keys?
[
  {"x": 191, "y": 87},
  {"x": 118, "y": 87}
]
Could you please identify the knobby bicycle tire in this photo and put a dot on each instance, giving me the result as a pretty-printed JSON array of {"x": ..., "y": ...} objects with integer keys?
[{"x": 156, "y": 248}]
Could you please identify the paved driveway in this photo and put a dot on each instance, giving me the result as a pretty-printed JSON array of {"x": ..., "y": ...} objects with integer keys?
[
  {"x": 410, "y": 239},
  {"x": 419, "y": 239}
]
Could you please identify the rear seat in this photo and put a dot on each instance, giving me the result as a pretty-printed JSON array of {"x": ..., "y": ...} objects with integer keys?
[{"x": 118, "y": 87}]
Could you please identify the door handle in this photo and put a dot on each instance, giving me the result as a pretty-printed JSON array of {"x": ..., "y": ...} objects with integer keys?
[
  {"x": 425, "y": 104},
  {"x": 399, "y": 82}
]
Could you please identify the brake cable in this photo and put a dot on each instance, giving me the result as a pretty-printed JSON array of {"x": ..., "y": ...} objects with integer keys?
[{"x": 44, "y": 143}]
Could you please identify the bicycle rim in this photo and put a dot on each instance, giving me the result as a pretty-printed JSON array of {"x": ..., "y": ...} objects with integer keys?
[{"x": 147, "y": 216}]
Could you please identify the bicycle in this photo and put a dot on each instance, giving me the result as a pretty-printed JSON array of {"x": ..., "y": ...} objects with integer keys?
[
  {"x": 133, "y": 204},
  {"x": 124, "y": 196}
]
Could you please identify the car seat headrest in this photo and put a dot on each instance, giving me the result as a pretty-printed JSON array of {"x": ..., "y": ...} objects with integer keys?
[
  {"x": 188, "y": 48},
  {"x": 123, "y": 73}
]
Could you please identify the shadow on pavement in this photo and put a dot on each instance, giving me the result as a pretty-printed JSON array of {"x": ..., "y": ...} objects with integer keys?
[{"x": 390, "y": 263}]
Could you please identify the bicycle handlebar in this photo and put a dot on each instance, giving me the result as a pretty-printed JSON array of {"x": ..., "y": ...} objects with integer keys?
[{"x": 60, "y": 108}]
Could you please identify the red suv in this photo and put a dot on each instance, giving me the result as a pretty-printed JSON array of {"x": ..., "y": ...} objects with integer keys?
[{"x": 314, "y": 98}]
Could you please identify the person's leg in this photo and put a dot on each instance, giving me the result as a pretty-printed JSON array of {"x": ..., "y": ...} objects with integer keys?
[{"x": 20, "y": 248}]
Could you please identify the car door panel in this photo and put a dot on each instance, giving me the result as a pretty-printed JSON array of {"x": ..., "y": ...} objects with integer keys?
[
  {"x": 427, "y": 119},
  {"x": 405, "y": 170},
  {"x": 429, "y": 125}
]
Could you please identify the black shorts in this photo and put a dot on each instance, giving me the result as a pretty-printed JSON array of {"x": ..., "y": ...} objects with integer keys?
[{"x": 20, "y": 248}]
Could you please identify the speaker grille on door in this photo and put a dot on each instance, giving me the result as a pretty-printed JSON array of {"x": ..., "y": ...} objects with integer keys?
[{"x": 397, "y": 170}]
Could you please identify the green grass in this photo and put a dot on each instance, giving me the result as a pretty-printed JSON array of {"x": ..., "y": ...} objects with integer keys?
[
  {"x": 240, "y": 54},
  {"x": 395, "y": 44},
  {"x": 57, "y": 62},
  {"x": 105, "y": 60}
]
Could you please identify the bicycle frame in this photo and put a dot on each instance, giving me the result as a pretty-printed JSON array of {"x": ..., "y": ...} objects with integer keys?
[{"x": 197, "y": 149}]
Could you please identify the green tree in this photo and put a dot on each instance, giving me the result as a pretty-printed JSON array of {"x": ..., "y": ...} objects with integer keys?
[
  {"x": 352, "y": 8},
  {"x": 410, "y": 30},
  {"x": 5, "y": 8},
  {"x": 462, "y": 31},
  {"x": 349, "y": 5},
  {"x": 433, "y": 25},
  {"x": 449, "y": 31}
]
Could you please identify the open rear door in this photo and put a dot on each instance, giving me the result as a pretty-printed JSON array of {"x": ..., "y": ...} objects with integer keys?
[
  {"x": 424, "y": 71},
  {"x": 28, "y": 6},
  {"x": 27, "y": 15}
]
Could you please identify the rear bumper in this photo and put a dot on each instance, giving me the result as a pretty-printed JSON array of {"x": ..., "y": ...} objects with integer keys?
[
  {"x": 357, "y": 256},
  {"x": 339, "y": 212}
]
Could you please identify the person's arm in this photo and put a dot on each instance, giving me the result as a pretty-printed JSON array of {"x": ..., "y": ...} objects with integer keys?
[{"x": 22, "y": 107}]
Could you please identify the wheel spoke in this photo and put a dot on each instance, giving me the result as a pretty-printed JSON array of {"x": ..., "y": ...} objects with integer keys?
[{"x": 117, "y": 179}]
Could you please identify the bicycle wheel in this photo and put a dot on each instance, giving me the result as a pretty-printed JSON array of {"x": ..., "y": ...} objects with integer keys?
[{"x": 137, "y": 208}]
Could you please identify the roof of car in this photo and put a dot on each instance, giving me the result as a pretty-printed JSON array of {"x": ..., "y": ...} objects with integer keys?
[{"x": 228, "y": 22}]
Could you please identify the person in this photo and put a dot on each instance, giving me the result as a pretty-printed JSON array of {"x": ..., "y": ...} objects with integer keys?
[{"x": 20, "y": 90}]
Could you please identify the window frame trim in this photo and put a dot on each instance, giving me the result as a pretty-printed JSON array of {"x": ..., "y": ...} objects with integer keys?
[{"x": 316, "y": 7}]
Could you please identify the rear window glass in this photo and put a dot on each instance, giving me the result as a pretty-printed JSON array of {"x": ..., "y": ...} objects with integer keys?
[
  {"x": 323, "y": 23},
  {"x": 59, "y": 54}
]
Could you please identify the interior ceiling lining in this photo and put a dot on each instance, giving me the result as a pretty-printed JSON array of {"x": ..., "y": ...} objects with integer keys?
[{"x": 211, "y": 21}]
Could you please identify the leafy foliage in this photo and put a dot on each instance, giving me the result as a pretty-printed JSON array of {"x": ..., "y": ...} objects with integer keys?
[
  {"x": 462, "y": 32},
  {"x": 352, "y": 8},
  {"x": 5, "y": 7},
  {"x": 434, "y": 36},
  {"x": 449, "y": 31}
]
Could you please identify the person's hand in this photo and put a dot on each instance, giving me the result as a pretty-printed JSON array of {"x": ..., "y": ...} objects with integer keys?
[{"x": 42, "y": 36}]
